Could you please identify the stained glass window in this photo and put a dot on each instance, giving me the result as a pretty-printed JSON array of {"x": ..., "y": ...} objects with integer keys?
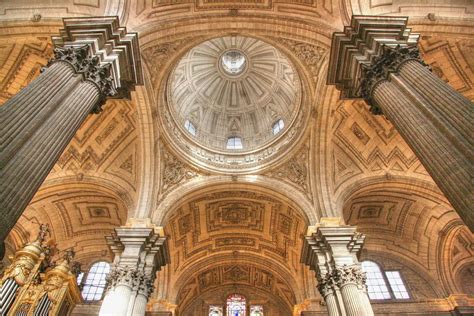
[
  {"x": 236, "y": 305},
  {"x": 278, "y": 126},
  {"x": 94, "y": 284},
  {"x": 256, "y": 310}
]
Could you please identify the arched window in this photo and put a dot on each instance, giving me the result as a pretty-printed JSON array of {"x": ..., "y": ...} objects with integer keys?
[
  {"x": 93, "y": 282},
  {"x": 190, "y": 127},
  {"x": 234, "y": 142},
  {"x": 236, "y": 305},
  {"x": 278, "y": 126},
  {"x": 377, "y": 283}
]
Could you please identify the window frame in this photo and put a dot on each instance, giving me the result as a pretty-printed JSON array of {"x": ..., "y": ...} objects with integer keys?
[
  {"x": 234, "y": 137},
  {"x": 84, "y": 279},
  {"x": 190, "y": 125},
  {"x": 392, "y": 298},
  {"x": 280, "y": 124}
]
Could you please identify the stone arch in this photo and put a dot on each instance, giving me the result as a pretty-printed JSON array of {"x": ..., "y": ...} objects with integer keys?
[
  {"x": 79, "y": 215},
  {"x": 410, "y": 224},
  {"x": 261, "y": 184}
]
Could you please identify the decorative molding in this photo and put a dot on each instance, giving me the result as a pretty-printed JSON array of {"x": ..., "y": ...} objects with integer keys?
[
  {"x": 359, "y": 43},
  {"x": 174, "y": 172},
  {"x": 312, "y": 55},
  {"x": 296, "y": 171}
]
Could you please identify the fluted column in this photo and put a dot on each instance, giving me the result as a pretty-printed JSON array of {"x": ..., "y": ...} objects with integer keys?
[
  {"x": 433, "y": 118},
  {"x": 377, "y": 58},
  {"x": 139, "y": 253},
  {"x": 38, "y": 123},
  {"x": 331, "y": 250}
]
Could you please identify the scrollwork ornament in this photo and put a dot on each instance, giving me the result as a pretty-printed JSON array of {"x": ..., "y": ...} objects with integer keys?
[{"x": 379, "y": 70}]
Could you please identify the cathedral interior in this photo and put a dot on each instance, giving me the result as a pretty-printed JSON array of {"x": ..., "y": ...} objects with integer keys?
[{"x": 235, "y": 167}]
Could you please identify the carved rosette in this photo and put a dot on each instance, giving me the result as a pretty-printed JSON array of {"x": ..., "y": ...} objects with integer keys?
[
  {"x": 93, "y": 70},
  {"x": 379, "y": 70}
]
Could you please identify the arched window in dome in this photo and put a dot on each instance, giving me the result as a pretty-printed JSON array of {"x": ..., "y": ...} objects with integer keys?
[
  {"x": 377, "y": 283},
  {"x": 93, "y": 282},
  {"x": 234, "y": 142},
  {"x": 190, "y": 127},
  {"x": 236, "y": 305},
  {"x": 278, "y": 126}
]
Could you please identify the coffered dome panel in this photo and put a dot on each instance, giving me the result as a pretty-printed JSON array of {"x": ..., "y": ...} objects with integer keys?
[
  {"x": 234, "y": 87},
  {"x": 232, "y": 98}
]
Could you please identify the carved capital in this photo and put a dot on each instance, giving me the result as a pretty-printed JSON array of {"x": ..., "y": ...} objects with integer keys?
[
  {"x": 121, "y": 276},
  {"x": 350, "y": 274},
  {"x": 93, "y": 70},
  {"x": 326, "y": 285},
  {"x": 379, "y": 70},
  {"x": 145, "y": 286}
]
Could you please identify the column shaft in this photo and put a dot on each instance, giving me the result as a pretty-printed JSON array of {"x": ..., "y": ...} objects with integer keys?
[
  {"x": 448, "y": 162},
  {"x": 42, "y": 129},
  {"x": 139, "y": 308},
  {"x": 116, "y": 301},
  {"x": 434, "y": 119},
  {"x": 352, "y": 301}
]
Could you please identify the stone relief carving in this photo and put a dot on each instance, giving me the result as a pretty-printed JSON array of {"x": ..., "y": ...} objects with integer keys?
[
  {"x": 174, "y": 172},
  {"x": 295, "y": 171},
  {"x": 158, "y": 55},
  {"x": 310, "y": 54}
]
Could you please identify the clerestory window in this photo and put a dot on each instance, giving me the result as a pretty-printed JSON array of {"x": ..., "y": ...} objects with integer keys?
[
  {"x": 384, "y": 285},
  {"x": 234, "y": 142}
]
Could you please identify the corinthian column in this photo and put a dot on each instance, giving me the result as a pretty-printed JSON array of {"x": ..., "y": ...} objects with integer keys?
[
  {"x": 139, "y": 253},
  {"x": 377, "y": 58},
  {"x": 332, "y": 252},
  {"x": 94, "y": 59}
]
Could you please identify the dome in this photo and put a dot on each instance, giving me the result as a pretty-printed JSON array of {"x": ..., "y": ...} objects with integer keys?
[{"x": 234, "y": 94}]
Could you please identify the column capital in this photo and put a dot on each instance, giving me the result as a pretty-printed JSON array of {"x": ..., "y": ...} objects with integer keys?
[
  {"x": 379, "y": 70},
  {"x": 359, "y": 44},
  {"x": 103, "y": 50}
]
